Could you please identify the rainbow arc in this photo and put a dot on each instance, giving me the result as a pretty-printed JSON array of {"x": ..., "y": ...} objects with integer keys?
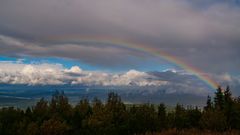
[{"x": 142, "y": 48}]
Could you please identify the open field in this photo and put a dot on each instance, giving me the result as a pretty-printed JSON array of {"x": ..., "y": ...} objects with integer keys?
[{"x": 194, "y": 132}]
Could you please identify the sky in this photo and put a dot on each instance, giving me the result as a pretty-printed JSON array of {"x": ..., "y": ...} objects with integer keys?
[{"x": 116, "y": 42}]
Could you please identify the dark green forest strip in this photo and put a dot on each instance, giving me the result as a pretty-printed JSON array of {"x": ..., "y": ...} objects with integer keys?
[{"x": 221, "y": 115}]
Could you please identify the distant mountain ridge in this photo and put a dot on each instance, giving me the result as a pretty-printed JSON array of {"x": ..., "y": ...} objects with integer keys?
[{"x": 22, "y": 95}]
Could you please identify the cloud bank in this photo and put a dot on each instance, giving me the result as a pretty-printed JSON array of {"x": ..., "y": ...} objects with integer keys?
[
  {"x": 169, "y": 81},
  {"x": 93, "y": 54},
  {"x": 56, "y": 74}
]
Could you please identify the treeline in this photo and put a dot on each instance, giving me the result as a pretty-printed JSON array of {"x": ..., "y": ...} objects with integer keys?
[{"x": 59, "y": 117}]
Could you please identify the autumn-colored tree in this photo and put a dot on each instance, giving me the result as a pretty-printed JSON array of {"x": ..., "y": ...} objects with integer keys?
[
  {"x": 54, "y": 127},
  {"x": 32, "y": 129}
]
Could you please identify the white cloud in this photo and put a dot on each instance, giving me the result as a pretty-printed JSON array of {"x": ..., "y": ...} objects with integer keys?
[
  {"x": 54, "y": 74},
  {"x": 74, "y": 69},
  {"x": 17, "y": 73},
  {"x": 130, "y": 78},
  {"x": 171, "y": 70},
  {"x": 225, "y": 77},
  {"x": 228, "y": 79},
  {"x": 134, "y": 77}
]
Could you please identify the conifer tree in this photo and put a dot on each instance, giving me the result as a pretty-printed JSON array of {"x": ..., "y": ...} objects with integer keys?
[
  {"x": 228, "y": 107},
  {"x": 219, "y": 99},
  {"x": 161, "y": 116},
  {"x": 208, "y": 104}
]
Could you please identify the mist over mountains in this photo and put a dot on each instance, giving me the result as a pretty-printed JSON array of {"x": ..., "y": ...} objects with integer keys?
[{"x": 25, "y": 95}]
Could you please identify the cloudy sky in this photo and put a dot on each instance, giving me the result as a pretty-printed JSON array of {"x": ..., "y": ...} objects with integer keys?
[{"x": 89, "y": 42}]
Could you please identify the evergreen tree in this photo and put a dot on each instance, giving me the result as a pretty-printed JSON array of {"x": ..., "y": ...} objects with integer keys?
[
  {"x": 161, "y": 117},
  {"x": 41, "y": 111},
  {"x": 60, "y": 107},
  {"x": 228, "y": 108},
  {"x": 57, "y": 117},
  {"x": 208, "y": 104},
  {"x": 117, "y": 114},
  {"x": 98, "y": 120},
  {"x": 213, "y": 120},
  {"x": 82, "y": 112},
  {"x": 193, "y": 117},
  {"x": 180, "y": 117},
  {"x": 219, "y": 99}
]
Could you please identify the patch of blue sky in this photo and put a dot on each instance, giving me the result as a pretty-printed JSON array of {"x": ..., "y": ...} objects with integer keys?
[
  {"x": 67, "y": 63},
  {"x": 8, "y": 59},
  {"x": 152, "y": 65},
  {"x": 204, "y": 4}
]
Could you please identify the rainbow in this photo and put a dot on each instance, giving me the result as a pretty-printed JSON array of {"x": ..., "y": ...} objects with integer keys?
[{"x": 142, "y": 48}]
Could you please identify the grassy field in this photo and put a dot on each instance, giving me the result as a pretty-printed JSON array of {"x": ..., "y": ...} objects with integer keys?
[{"x": 194, "y": 132}]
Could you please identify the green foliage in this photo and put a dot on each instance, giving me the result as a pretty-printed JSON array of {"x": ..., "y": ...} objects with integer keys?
[
  {"x": 209, "y": 104},
  {"x": 219, "y": 99},
  {"x": 143, "y": 118},
  {"x": 193, "y": 116},
  {"x": 58, "y": 117},
  {"x": 213, "y": 120},
  {"x": 40, "y": 112},
  {"x": 81, "y": 114},
  {"x": 10, "y": 120},
  {"x": 59, "y": 106},
  {"x": 162, "y": 117}
]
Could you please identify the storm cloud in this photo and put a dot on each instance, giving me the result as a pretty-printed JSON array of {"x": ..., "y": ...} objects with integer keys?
[{"x": 205, "y": 34}]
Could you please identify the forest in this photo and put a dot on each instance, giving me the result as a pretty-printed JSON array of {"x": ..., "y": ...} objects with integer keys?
[{"x": 221, "y": 115}]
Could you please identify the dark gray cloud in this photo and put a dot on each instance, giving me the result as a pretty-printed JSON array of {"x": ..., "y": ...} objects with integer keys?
[
  {"x": 94, "y": 54},
  {"x": 205, "y": 34}
]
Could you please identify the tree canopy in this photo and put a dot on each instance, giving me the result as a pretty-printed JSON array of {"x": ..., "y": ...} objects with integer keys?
[{"x": 113, "y": 117}]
